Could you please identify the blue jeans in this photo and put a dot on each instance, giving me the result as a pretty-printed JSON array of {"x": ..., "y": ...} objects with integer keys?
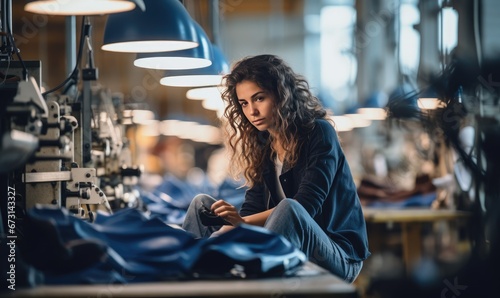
[{"x": 292, "y": 221}]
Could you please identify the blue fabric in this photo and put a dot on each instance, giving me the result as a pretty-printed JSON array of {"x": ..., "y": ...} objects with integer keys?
[
  {"x": 141, "y": 249},
  {"x": 170, "y": 200},
  {"x": 257, "y": 251},
  {"x": 180, "y": 190},
  {"x": 163, "y": 206},
  {"x": 421, "y": 200},
  {"x": 231, "y": 192}
]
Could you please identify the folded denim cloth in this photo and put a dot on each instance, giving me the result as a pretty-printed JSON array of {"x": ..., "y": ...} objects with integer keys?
[{"x": 248, "y": 252}]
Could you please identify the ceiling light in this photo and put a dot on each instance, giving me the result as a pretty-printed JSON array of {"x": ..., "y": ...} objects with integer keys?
[
  {"x": 428, "y": 100},
  {"x": 165, "y": 25},
  {"x": 204, "y": 93},
  {"x": 198, "y": 57},
  {"x": 342, "y": 123},
  {"x": 373, "y": 107},
  {"x": 81, "y": 7},
  {"x": 200, "y": 77}
]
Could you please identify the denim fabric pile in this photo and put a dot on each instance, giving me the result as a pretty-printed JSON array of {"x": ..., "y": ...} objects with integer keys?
[{"x": 129, "y": 247}]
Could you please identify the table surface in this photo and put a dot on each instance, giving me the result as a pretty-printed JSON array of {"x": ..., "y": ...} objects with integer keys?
[
  {"x": 411, "y": 221},
  {"x": 311, "y": 281},
  {"x": 376, "y": 215}
]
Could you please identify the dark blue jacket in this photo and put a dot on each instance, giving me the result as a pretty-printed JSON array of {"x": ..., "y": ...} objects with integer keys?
[{"x": 322, "y": 183}]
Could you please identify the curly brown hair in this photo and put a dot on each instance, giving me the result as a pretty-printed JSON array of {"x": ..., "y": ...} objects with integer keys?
[{"x": 295, "y": 106}]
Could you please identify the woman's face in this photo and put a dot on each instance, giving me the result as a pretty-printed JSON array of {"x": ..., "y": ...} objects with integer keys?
[{"x": 257, "y": 105}]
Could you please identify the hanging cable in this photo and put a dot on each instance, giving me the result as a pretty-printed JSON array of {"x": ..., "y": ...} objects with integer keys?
[
  {"x": 5, "y": 76},
  {"x": 477, "y": 37},
  {"x": 14, "y": 48},
  {"x": 73, "y": 77}
]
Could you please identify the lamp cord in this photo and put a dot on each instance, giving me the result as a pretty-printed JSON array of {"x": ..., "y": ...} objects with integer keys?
[
  {"x": 73, "y": 77},
  {"x": 90, "y": 51},
  {"x": 13, "y": 44},
  {"x": 477, "y": 37}
]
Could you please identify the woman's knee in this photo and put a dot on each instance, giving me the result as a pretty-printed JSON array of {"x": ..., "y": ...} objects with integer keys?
[
  {"x": 202, "y": 199},
  {"x": 286, "y": 214},
  {"x": 289, "y": 207}
]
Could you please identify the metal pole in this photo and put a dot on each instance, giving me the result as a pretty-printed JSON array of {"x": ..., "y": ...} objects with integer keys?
[
  {"x": 215, "y": 23},
  {"x": 6, "y": 26},
  {"x": 70, "y": 47}
]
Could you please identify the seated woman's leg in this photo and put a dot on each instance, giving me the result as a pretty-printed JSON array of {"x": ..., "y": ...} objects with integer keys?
[
  {"x": 292, "y": 221},
  {"x": 192, "y": 222}
]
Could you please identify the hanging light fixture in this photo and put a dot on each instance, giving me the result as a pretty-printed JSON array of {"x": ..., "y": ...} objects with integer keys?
[
  {"x": 403, "y": 102},
  {"x": 200, "y": 77},
  {"x": 164, "y": 26},
  {"x": 428, "y": 100},
  {"x": 357, "y": 119},
  {"x": 82, "y": 7},
  {"x": 342, "y": 123},
  {"x": 198, "y": 57},
  {"x": 373, "y": 107},
  {"x": 205, "y": 92}
]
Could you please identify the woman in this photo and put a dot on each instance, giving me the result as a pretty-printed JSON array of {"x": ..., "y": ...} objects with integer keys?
[{"x": 300, "y": 185}]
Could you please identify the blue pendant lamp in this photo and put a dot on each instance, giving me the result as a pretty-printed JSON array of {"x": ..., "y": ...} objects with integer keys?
[
  {"x": 357, "y": 119},
  {"x": 82, "y": 7},
  {"x": 428, "y": 99},
  {"x": 403, "y": 102},
  {"x": 373, "y": 107},
  {"x": 200, "y": 56},
  {"x": 200, "y": 77},
  {"x": 165, "y": 25}
]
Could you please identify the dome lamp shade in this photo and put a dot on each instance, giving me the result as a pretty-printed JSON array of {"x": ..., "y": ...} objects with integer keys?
[
  {"x": 428, "y": 99},
  {"x": 165, "y": 25},
  {"x": 198, "y": 57},
  {"x": 373, "y": 107},
  {"x": 403, "y": 102},
  {"x": 200, "y": 77}
]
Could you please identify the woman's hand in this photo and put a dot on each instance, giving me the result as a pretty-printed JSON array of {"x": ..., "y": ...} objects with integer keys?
[{"x": 228, "y": 212}]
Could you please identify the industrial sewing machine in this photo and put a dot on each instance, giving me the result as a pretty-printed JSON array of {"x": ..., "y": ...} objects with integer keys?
[
  {"x": 50, "y": 156},
  {"x": 60, "y": 149}
]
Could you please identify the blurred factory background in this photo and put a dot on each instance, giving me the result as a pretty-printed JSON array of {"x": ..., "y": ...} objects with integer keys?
[
  {"x": 412, "y": 85},
  {"x": 353, "y": 53}
]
